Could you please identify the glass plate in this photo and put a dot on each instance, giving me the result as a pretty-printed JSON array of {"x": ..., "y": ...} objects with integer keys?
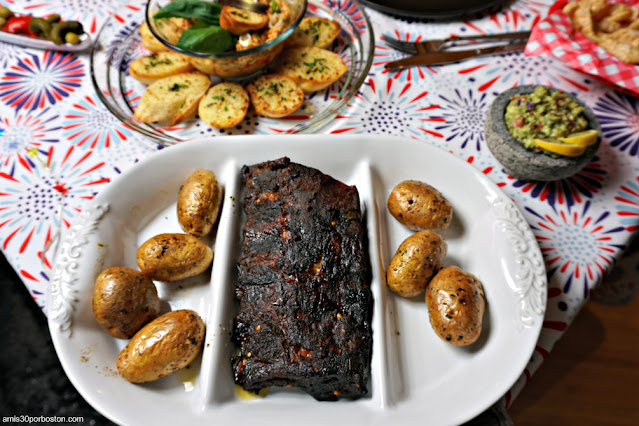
[{"x": 118, "y": 43}]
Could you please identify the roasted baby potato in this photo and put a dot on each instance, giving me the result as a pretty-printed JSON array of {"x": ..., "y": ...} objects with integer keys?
[
  {"x": 123, "y": 301},
  {"x": 199, "y": 202},
  {"x": 176, "y": 98},
  {"x": 151, "y": 68},
  {"x": 419, "y": 206},
  {"x": 161, "y": 347},
  {"x": 314, "y": 31},
  {"x": 311, "y": 68},
  {"x": 224, "y": 105},
  {"x": 173, "y": 257},
  {"x": 415, "y": 263},
  {"x": 456, "y": 306},
  {"x": 275, "y": 96}
]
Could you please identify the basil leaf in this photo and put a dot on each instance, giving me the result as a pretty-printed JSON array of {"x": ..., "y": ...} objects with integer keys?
[
  {"x": 199, "y": 23},
  {"x": 191, "y": 9},
  {"x": 208, "y": 40}
]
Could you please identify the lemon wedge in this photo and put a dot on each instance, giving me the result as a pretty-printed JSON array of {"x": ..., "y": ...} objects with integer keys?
[
  {"x": 558, "y": 147},
  {"x": 585, "y": 138}
]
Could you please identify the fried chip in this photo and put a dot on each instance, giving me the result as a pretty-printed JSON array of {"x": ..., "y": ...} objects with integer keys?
[{"x": 613, "y": 26}]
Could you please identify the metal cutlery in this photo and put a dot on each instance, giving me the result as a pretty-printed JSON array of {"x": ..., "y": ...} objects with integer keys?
[
  {"x": 426, "y": 46},
  {"x": 436, "y": 58}
]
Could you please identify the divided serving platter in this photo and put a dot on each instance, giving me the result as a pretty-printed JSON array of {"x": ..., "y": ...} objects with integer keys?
[{"x": 414, "y": 374}]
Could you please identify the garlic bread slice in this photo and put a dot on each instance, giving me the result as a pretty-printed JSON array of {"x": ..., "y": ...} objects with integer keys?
[
  {"x": 172, "y": 28},
  {"x": 275, "y": 95},
  {"x": 238, "y": 21},
  {"x": 311, "y": 68},
  {"x": 224, "y": 105},
  {"x": 314, "y": 31},
  {"x": 149, "y": 41},
  {"x": 205, "y": 65},
  {"x": 173, "y": 98},
  {"x": 151, "y": 68}
]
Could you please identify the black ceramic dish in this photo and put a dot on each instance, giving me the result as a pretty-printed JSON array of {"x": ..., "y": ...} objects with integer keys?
[
  {"x": 524, "y": 164},
  {"x": 429, "y": 9}
]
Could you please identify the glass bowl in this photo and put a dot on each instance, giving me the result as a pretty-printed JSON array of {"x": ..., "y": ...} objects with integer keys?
[
  {"x": 119, "y": 42},
  {"x": 234, "y": 64}
]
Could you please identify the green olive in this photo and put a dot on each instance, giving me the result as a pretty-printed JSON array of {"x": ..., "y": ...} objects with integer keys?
[
  {"x": 60, "y": 29},
  {"x": 53, "y": 18},
  {"x": 5, "y": 12},
  {"x": 72, "y": 38},
  {"x": 40, "y": 27},
  {"x": 2, "y": 22}
]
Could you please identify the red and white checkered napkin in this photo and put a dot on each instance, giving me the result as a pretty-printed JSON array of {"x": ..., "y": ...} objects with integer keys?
[{"x": 555, "y": 37}]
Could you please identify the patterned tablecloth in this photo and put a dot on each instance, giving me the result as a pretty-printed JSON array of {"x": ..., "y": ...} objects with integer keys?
[{"x": 59, "y": 146}]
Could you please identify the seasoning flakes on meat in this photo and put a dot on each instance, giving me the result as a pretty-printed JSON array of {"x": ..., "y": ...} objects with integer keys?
[{"x": 303, "y": 287}]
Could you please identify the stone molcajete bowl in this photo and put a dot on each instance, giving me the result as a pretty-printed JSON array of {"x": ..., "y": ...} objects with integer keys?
[{"x": 525, "y": 164}]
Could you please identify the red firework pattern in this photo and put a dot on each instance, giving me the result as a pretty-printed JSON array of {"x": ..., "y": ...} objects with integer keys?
[
  {"x": 577, "y": 245},
  {"x": 36, "y": 201},
  {"x": 40, "y": 80}
]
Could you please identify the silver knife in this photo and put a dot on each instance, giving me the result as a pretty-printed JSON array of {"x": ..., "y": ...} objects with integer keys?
[{"x": 434, "y": 58}]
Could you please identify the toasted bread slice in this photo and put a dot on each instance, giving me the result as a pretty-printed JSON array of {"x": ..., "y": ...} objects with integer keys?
[
  {"x": 224, "y": 105},
  {"x": 148, "y": 69},
  {"x": 207, "y": 66},
  {"x": 275, "y": 95},
  {"x": 172, "y": 28},
  {"x": 149, "y": 41},
  {"x": 314, "y": 31},
  {"x": 238, "y": 21},
  {"x": 175, "y": 98},
  {"x": 311, "y": 68}
]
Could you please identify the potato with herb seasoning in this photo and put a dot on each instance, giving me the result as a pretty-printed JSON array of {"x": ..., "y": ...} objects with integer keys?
[
  {"x": 456, "y": 305},
  {"x": 123, "y": 301},
  {"x": 419, "y": 206},
  {"x": 415, "y": 263},
  {"x": 163, "y": 346},
  {"x": 174, "y": 257},
  {"x": 198, "y": 204}
]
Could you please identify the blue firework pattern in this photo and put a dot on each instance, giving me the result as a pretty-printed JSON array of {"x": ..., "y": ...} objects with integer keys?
[
  {"x": 464, "y": 118},
  {"x": 43, "y": 79},
  {"x": 382, "y": 111},
  {"x": 25, "y": 132},
  {"x": 89, "y": 125},
  {"x": 570, "y": 191},
  {"x": 619, "y": 118},
  {"x": 577, "y": 244}
]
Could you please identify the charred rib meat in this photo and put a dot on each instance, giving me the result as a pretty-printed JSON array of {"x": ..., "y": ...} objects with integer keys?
[{"x": 303, "y": 287}]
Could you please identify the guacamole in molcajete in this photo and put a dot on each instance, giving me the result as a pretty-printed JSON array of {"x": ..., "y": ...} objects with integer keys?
[{"x": 543, "y": 114}]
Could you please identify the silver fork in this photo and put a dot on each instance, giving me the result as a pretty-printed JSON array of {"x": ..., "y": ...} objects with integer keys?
[{"x": 427, "y": 46}]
